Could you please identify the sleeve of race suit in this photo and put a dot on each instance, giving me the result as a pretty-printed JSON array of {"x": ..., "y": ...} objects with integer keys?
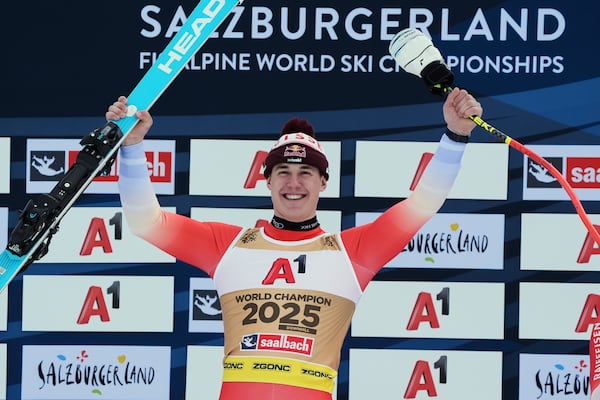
[
  {"x": 171, "y": 232},
  {"x": 373, "y": 245},
  {"x": 138, "y": 199}
]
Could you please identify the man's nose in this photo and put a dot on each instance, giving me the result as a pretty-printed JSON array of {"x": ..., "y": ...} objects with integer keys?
[{"x": 294, "y": 180}]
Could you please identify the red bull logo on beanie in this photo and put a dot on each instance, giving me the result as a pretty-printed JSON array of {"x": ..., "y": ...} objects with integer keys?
[{"x": 295, "y": 150}]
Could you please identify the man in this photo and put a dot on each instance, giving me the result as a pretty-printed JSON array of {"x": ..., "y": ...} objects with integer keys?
[{"x": 288, "y": 290}]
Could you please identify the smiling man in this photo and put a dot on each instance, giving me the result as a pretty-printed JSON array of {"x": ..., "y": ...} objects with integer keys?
[
  {"x": 288, "y": 290},
  {"x": 297, "y": 170}
]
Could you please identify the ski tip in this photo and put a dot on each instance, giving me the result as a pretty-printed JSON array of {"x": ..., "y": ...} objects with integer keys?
[{"x": 10, "y": 265}]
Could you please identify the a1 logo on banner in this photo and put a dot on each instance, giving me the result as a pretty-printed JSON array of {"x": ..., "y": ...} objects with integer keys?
[
  {"x": 542, "y": 303},
  {"x": 100, "y": 234},
  {"x": 569, "y": 248},
  {"x": 98, "y": 303},
  {"x": 372, "y": 157},
  {"x": 48, "y": 160},
  {"x": 243, "y": 175},
  {"x": 431, "y": 310},
  {"x": 422, "y": 374}
]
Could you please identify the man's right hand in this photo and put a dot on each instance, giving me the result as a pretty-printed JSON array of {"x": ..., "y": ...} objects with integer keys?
[{"x": 118, "y": 110}]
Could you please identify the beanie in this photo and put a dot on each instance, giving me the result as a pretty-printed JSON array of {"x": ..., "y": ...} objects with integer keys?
[{"x": 297, "y": 144}]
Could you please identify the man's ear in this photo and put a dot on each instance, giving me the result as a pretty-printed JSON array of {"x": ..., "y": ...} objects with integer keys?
[
  {"x": 323, "y": 183},
  {"x": 269, "y": 182}
]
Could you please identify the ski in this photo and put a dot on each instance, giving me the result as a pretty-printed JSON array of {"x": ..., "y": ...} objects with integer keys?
[{"x": 40, "y": 218}]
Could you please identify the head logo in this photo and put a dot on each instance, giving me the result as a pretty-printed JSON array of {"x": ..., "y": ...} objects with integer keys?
[{"x": 175, "y": 57}]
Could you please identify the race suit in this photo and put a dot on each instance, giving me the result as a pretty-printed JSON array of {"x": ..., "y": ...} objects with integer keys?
[{"x": 287, "y": 297}]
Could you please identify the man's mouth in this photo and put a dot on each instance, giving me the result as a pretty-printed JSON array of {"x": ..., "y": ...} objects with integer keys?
[{"x": 293, "y": 196}]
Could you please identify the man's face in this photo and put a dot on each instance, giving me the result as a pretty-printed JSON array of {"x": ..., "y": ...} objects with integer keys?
[{"x": 295, "y": 191}]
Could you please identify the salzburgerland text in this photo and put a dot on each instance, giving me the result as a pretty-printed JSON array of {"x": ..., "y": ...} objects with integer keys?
[
  {"x": 360, "y": 24},
  {"x": 94, "y": 375},
  {"x": 448, "y": 243},
  {"x": 318, "y": 26}
]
